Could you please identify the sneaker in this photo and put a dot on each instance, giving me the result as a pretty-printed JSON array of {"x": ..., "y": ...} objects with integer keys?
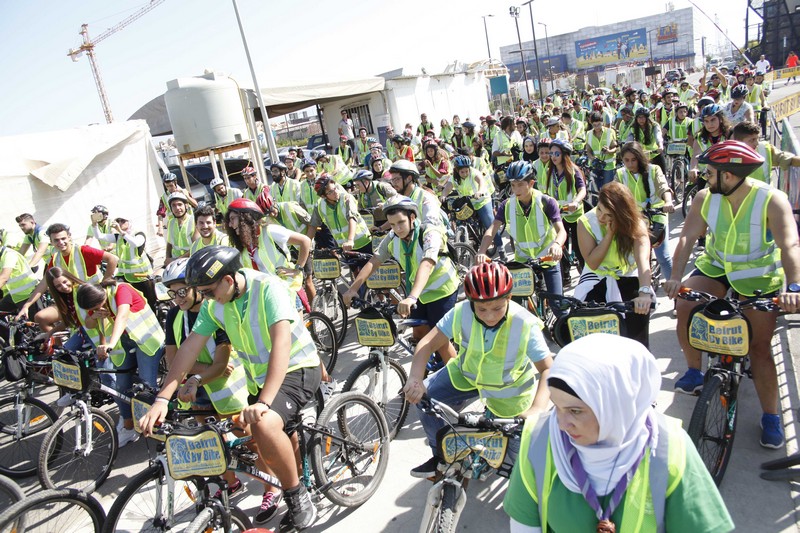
[
  {"x": 269, "y": 506},
  {"x": 328, "y": 388},
  {"x": 771, "y": 431},
  {"x": 232, "y": 489},
  {"x": 426, "y": 469},
  {"x": 66, "y": 400},
  {"x": 126, "y": 436},
  {"x": 120, "y": 425},
  {"x": 301, "y": 512},
  {"x": 690, "y": 383}
]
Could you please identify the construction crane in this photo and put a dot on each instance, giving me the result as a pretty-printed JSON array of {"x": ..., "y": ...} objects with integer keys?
[{"x": 88, "y": 47}]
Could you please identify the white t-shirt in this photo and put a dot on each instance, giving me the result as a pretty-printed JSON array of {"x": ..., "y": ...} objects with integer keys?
[
  {"x": 762, "y": 65},
  {"x": 346, "y": 125},
  {"x": 735, "y": 118}
]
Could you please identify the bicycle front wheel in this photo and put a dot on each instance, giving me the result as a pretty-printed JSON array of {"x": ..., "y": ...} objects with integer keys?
[
  {"x": 367, "y": 378},
  {"x": 465, "y": 258},
  {"x": 350, "y": 451},
  {"x": 19, "y": 455},
  {"x": 64, "y": 462},
  {"x": 10, "y": 493},
  {"x": 323, "y": 332},
  {"x": 210, "y": 520},
  {"x": 329, "y": 302},
  {"x": 65, "y": 511},
  {"x": 688, "y": 198},
  {"x": 713, "y": 425},
  {"x": 677, "y": 180},
  {"x": 146, "y": 505}
]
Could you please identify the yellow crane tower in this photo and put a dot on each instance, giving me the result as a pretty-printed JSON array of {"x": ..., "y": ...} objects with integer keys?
[{"x": 88, "y": 47}]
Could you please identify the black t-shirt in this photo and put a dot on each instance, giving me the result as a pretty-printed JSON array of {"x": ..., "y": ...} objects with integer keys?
[{"x": 220, "y": 337}]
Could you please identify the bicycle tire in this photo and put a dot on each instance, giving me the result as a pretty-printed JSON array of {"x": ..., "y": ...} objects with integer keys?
[
  {"x": 542, "y": 309},
  {"x": 465, "y": 258},
  {"x": 349, "y": 471},
  {"x": 655, "y": 271},
  {"x": 366, "y": 379},
  {"x": 19, "y": 457},
  {"x": 10, "y": 493},
  {"x": 688, "y": 198},
  {"x": 448, "y": 515},
  {"x": 209, "y": 520},
  {"x": 141, "y": 506},
  {"x": 323, "y": 333},
  {"x": 713, "y": 425},
  {"x": 330, "y": 303},
  {"x": 60, "y": 467},
  {"x": 677, "y": 180},
  {"x": 64, "y": 510}
]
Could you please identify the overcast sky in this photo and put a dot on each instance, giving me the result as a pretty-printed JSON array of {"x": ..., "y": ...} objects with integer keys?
[{"x": 290, "y": 41}]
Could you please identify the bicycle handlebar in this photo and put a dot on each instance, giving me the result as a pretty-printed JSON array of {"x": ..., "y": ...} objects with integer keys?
[
  {"x": 507, "y": 426},
  {"x": 758, "y": 302}
]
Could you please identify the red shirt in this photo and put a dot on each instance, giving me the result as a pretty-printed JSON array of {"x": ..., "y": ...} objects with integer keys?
[
  {"x": 791, "y": 61},
  {"x": 92, "y": 257},
  {"x": 128, "y": 295}
]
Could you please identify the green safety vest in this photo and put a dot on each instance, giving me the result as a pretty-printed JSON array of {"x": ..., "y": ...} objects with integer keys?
[
  {"x": 741, "y": 246},
  {"x": 253, "y": 196},
  {"x": 249, "y": 332},
  {"x": 635, "y": 184},
  {"x": 334, "y": 217},
  {"x": 345, "y": 152},
  {"x": 217, "y": 238},
  {"x": 142, "y": 327},
  {"x": 504, "y": 376},
  {"x": 443, "y": 280},
  {"x": 222, "y": 202},
  {"x": 666, "y": 116},
  {"x": 308, "y": 196},
  {"x": 564, "y": 196},
  {"x": 578, "y": 115},
  {"x": 131, "y": 262},
  {"x": 754, "y": 97},
  {"x": 291, "y": 215},
  {"x": 597, "y": 145},
  {"x": 76, "y": 267},
  {"x": 678, "y": 131},
  {"x": 468, "y": 187},
  {"x": 656, "y": 478},
  {"x": 289, "y": 191},
  {"x": 613, "y": 265},
  {"x": 764, "y": 172},
  {"x": 434, "y": 181},
  {"x": 362, "y": 148},
  {"x": 180, "y": 235},
  {"x": 506, "y": 143},
  {"x": 165, "y": 201},
  {"x": 624, "y": 130},
  {"x": 576, "y": 134},
  {"x": 704, "y": 145},
  {"x": 35, "y": 239},
  {"x": 540, "y": 170},
  {"x": 228, "y": 394},
  {"x": 22, "y": 281},
  {"x": 336, "y": 169},
  {"x": 532, "y": 234},
  {"x": 446, "y": 133},
  {"x": 272, "y": 257},
  {"x": 652, "y": 146}
]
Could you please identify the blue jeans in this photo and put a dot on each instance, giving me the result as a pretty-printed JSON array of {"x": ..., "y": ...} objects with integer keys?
[
  {"x": 664, "y": 255},
  {"x": 486, "y": 217},
  {"x": 608, "y": 177},
  {"x": 148, "y": 372},
  {"x": 554, "y": 284}
]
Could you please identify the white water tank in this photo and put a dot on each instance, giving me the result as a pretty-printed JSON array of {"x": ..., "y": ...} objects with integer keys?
[{"x": 205, "y": 112}]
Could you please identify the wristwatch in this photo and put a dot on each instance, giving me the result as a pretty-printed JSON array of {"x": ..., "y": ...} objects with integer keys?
[
  {"x": 646, "y": 289},
  {"x": 793, "y": 287}
]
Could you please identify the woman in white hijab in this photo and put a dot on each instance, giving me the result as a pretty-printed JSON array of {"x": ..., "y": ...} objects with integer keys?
[{"x": 604, "y": 459}]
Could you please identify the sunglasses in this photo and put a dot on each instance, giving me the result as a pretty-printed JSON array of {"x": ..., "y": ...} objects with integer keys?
[
  {"x": 206, "y": 293},
  {"x": 182, "y": 293},
  {"x": 555, "y": 154}
]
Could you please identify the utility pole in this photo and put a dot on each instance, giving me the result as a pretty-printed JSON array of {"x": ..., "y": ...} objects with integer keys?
[
  {"x": 536, "y": 53},
  {"x": 549, "y": 59},
  {"x": 514, "y": 12},
  {"x": 486, "y": 32}
]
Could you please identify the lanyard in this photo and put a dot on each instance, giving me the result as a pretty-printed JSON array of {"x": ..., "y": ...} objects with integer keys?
[{"x": 408, "y": 249}]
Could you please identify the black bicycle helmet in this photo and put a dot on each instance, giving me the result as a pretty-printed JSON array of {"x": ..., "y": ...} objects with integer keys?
[
  {"x": 212, "y": 263},
  {"x": 519, "y": 170},
  {"x": 280, "y": 166},
  {"x": 740, "y": 91},
  {"x": 642, "y": 111},
  {"x": 100, "y": 209}
]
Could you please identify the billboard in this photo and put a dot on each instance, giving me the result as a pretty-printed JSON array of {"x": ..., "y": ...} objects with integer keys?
[
  {"x": 668, "y": 34},
  {"x": 557, "y": 62},
  {"x": 628, "y": 46}
]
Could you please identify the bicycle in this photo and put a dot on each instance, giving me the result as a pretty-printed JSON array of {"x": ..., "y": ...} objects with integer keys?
[
  {"x": 344, "y": 455},
  {"x": 10, "y": 493},
  {"x": 691, "y": 192},
  {"x": 658, "y": 233},
  {"x": 473, "y": 447},
  {"x": 719, "y": 328},
  {"x": 466, "y": 226},
  {"x": 325, "y": 338},
  {"x": 528, "y": 287},
  {"x": 677, "y": 162},
  {"x": 63, "y": 510},
  {"x": 592, "y": 177}
]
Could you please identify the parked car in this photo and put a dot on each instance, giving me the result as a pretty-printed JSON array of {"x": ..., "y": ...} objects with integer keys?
[
  {"x": 319, "y": 142},
  {"x": 672, "y": 75}
]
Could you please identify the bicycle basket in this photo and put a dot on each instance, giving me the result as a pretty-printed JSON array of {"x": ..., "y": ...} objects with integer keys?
[
  {"x": 717, "y": 327},
  {"x": 326, "y": 265},
  {"x": 369, "y": 219},
  {"x": 197, "y": 451},
  {"x": 461, "y": 207},
  {"x": 68, "y": 373},
  {"x": 374, "y": 329},
  {"x": 676, "y": 149},
  {"x": 524, "y": 280},
  {"x": 140, "y": 404},
  {"x": 456, "y": 444},
  {"x": 14, "y": 365},
  {"x": 582, "y": 322},
  {"x": 386, "y": 276}
]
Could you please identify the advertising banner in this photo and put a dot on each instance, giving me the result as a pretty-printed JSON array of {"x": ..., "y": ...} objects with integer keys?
[
  {"x": 668, "y": 34},
  {"x": 627, "y": 46}
]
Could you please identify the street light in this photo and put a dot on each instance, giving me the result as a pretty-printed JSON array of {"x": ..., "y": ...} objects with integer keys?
[
  {"x": 549, "y": 58},
  {"x": 535, "y": 53},
  {"x": 486, "y": 32},
  {"x": 514, "y": 12}
]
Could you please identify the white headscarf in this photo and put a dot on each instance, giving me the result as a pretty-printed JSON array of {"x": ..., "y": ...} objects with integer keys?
[{"x": 618, "y": 379}]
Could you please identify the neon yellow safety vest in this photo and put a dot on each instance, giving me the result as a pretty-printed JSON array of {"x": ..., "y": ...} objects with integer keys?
[
  {"x": 564, "y": 196},
  {"x": 533, "y": 234},
  {"x": 345, "y": 152},
  {"x": 446, "y": 133},
  {"x": 613, "y": 265},
  {"x": 661, "y": 472},
  {"x": 253, "y": 196},
  {"x": 291, "y": 215},
  {"x": 289, "y": 191},
  {"x": 308, "y": 196},
  {"x": 132, "y": 266},
  {"x": 540, "y": 169},
  {"x": 249, "y": 331},
  {"x": 506, "y": 143},
  {"x": 222, "y": 202},
  {"x": 504, "y": 376},
  {"x": 76, "y": 266},
  {"x": 336, "y": 169},
  {"x": 666, "y": 116},
  {"x": 754, "y": 97},
  {"x": 740, "y": 246},
  {"x": 228, "y": 394},
  {"x": 468, "y": 188},
  {"x": 362, "y": 147},
  {"x": 577, "y": 134},
  {"x": 336, "y": 220},
  {"x": 764, "y": 172},
  {"x": 624, "y": 129},
  {"x": 443, "y": 280},
  {"x": 217, "y": 238},
  {"x": 272, "y": 257},
  {"x": 678, "y": 130},
  {"x": 179, "y": 235},
  {"x": 652, "y": 146},
  {"x": 703, "y": 146},
  {"x": 142, "y": 327},
  {"x": 635, "y": 184},
  {"x": 607, "y": 136},
  {"x": 22, "y": 281},
  {"x": 436, "y": 181}
]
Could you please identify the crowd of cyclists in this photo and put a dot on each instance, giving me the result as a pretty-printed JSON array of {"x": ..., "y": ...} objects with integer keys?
[{"x": 239, "y": 272}]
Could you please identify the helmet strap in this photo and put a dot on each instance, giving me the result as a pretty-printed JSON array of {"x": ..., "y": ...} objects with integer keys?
[
  {"x": 236, "y": 291},
  {"x": 733, "y": 189}
]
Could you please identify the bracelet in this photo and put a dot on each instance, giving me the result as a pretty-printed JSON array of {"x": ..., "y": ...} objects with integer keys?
[
  {"x": 262, "y": 402},
  {"x": 161, "y": 399},
  {"x": 410, "y": 297}
]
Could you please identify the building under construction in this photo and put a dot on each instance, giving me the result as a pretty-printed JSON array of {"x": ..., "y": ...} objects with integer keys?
[{"x": 772, "y": 29}]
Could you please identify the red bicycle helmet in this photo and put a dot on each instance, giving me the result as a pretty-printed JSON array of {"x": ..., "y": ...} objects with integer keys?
[
  {"x": 265, "y": 200},
  {"x": 732, "y": 156},
  {"x": 248, "y": 171},
  {"x": 488, "y": 281},
  {"x": 321, "y": 185},
  {"x": 243, "y": 205}
]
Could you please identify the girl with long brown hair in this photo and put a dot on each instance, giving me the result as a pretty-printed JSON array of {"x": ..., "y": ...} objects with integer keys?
[{"x": 614, "y": 241}]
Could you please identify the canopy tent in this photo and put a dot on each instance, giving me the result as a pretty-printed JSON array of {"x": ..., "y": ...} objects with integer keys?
[
  {"x": 59, "y": 176},
  {"x": 277, "y": 100}
]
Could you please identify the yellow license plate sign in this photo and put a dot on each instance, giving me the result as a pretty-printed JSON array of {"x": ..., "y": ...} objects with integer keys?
[
  {"x": 67, "y": 375},
  {"x": 523, "y": 281},
  {"x": 676, "y": 149},
  {"x": 386, "y": 276},
  {"x": 581, "y": 326},
  {"x": 492, "y": 446},
  {"x": 139, "y": 408},
  {"x": 727, "y": 337},
  {"x": 197, "y": 455},
  {"x": 369, "y": 220},
  {"x": 374, "y": 332},
  {"x": 327, "y": 268},
  {"x": 465, "y": 212}
]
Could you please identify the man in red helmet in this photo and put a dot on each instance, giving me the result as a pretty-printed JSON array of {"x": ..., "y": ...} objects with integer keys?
[
  {"x": 752, "y": 246},
  {"x": 498, "y": 340}
]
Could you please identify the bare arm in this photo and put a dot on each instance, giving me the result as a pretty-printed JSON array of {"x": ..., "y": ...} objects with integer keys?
[
  {"x": 40, "y": 251},
  {"x": 693, "y": 228},
  {"x": 111, "y": 264},
  {"x": 303, "y": 244},
  {"x": 592, "y": 251},
  {"x": 542, "y": 398},
  {"x": 433, "y": 341}
]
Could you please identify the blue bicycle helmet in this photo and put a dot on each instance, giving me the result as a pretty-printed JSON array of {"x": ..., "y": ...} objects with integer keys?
[
  {"x": 565, "y": 146},
  {"x": 175, "y": 272},
  {"x": 462, "y": 161},
  {"x": 709, "y": 110},
  {"x": 519, "y": 170}
]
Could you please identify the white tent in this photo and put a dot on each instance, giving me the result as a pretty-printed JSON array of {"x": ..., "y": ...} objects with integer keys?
[{"x": 59, "y": 176}]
